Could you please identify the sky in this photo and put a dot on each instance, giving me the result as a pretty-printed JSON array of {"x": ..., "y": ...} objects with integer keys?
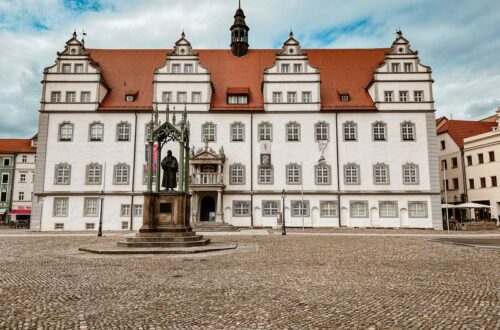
[{"x": 459, "y": 39}]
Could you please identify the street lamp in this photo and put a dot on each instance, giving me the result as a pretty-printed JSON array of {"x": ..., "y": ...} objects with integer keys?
[
  {"x": 101, "y": 197},
  {"x": 283, "y": 227}
]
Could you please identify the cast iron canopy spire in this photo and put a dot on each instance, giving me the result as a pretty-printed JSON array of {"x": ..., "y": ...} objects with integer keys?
[{"x": 239, "y": 33}]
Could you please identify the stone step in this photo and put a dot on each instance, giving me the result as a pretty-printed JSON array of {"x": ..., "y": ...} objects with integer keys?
[
  {"x": 214, "y": 227},
  {"x": 166, "y": 234},
  {"x": 164, "y": 244},
  {"x": 165, "y": 239}
]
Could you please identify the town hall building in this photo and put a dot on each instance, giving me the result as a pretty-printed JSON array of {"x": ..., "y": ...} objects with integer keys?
[{"x": 348, "y": 134}]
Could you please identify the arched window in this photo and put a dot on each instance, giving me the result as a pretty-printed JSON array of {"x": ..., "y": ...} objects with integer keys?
[
  {"x": 350, "y": 131},
  {"x": 123, "y": 131},
  {"x": 62, "y": 174},
  {"x": 379, "y": 131},
  {"x": 381, "y": 173},
  {"x": 351, "y": 174},
  {"x": 407, "y": 131},
  {"x": 322, "y": 174},
  {"x": 208, "y": 132},
  {"x": 293, "y": 174},
  {"x": 237, "y": 132},
  {"x": 321, "y": 129},
  {"x": 66, "y": 131},
  {"x": 93, "y": 174},
  {"x": 293, "y": 132},
  {"x": 96, "y": 131},
  {"x": 410, "y": 173},
  {"x": 265, "y": 131}
]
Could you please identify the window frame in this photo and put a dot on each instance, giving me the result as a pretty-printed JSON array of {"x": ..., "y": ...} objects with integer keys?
[
  {"x": 136, "y": 213},
  {"x": 64, "y": 208},
  {"x": 358, "y": 216},
  {"x": 304, "y": 205},
  {"x": 247, "y": 207},
  {"x": 291, "y": 97},
  {"x": 115, "y": 173},
  {"x": 426, "y": 209},
  {"x": 87, "y": 174},
  {"x": 86, "y": 200},
  {"x": 59, "y": 135},
  {"x": 403, "y": 96},
  {"x": 128, "y": 127},
  {"x": 388, "y": 96},
  {"x": 55, "y": 97},
  {"x": 387, "y": 176},
  {"x": 124, "y": 214},
  {"x": 335, "y": 203},
  {"x": 394, "y": 203},
  {"x": 358, "y": 174},
  {"x": 268, "y": 126},
  {"x": 259, "y": 174},
  {"x": 237, "y": 125},
  {"x": 406, "y": 125},
  {"x": 198, "y": 99},
  {"x": 166, "y": 97},
  {"x": 208, "y": 125},
  {"x": 68, "y": 98},
  {"x": 379, "y": 125},
  {"x": 418, "y": 96},
  {"x": 288, "y": 169},
  {"x": 265, "y": 206},
  {"x": 179, "y": 99},
  {"x": 56, "y": 174},
  {"x": 91, "y": 127},
  {"x": 233, "y": 167},
  {"x": 292, "y": 130},
  {"x": 326, "y": 127},
  {"x": 328, "y": 176},
  {"x": 352, "y": 126},
  {"x": 277, "y": 97},
  {"x": 417, "y": 174},
  {"x": 306, "y": 97},
  {"x": 84, "y": 99}
]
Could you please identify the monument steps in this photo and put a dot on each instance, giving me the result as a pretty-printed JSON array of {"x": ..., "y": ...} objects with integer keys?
[
  {"x": 165, "y": 244},
  {"x": 206, "y": 226},
  {"x": 165, "y": 239}
]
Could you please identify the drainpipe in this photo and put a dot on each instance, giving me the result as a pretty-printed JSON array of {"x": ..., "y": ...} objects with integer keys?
[
  {"x": 12, "y": 186},
  {"x": 133, "y": 176},
  {"x": 464, "y": 176},
  {"x": 338, "y": 169},
  {"x": 251, "y": 169}
]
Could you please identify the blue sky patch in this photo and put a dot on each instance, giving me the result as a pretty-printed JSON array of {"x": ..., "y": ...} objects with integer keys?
[
  {"x": 329, "y": 35},
  {"x": 82, "y": 6},
  {"x": 39, "y": 25}
]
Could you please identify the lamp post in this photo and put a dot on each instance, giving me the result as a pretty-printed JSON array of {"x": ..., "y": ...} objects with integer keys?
[
  {"x": 101, "y": 197},
  {"x": 283, "y": 227}
]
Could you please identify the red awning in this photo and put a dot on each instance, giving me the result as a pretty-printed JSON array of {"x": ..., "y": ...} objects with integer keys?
[{"x": 20, "y": 212}]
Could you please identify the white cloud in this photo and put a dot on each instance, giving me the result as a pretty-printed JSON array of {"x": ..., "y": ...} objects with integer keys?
[{"x": 457, "y": 39}]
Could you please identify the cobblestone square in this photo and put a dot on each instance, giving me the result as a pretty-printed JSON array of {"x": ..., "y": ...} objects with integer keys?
[{"x": 274, "y": 281}]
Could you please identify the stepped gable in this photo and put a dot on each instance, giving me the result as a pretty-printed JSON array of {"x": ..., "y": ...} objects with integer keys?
[
  {"x": 461, "y": 129},
  {"x": 341, "y": 70}
]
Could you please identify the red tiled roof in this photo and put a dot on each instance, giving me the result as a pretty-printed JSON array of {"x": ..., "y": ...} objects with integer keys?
[
  {"x": 461, "y": 129},
  {"x": 12, "y": 146},
  {"x": 346, "y": 70}
]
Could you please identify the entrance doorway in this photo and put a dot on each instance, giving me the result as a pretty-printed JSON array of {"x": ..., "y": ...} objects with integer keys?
[{"x": 207, "y": 206}]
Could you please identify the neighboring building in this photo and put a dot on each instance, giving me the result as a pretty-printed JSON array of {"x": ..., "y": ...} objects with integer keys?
[
  {"x": 451, "y": 135},
  {"x": 482, "y": 168},
  {"x": 17, "y": 167},
  {"x": 258, "y": 119}
]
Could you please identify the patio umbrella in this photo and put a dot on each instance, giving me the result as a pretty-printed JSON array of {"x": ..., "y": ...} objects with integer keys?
[
  {"x": 450, "y": 206},
  {"x": 473, "y": 206}
]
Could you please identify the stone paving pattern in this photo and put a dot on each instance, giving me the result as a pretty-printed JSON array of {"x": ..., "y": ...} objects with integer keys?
[{"x": 291, "y": 282}]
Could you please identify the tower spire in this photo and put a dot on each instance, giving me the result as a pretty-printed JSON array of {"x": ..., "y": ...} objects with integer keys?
[{"x": 239, "y": 33}]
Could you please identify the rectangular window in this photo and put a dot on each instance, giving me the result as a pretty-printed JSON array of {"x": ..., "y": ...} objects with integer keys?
[
  {"x": 388, "y": 96},
  {"x": 91, "y": 207},
  {"x": 121, "y": 174},
  {"x": 418, "y": 96},
  {"x": 300, "y": 208},
  {"x": 379, "y": 131},
  {"x": 455, "y": 183},
  {"x": 344, "y": 98},
  {"x": 60, "y": 207},
  {"x": 395, "y": 67},
  {"x": 5, "y": 178},
  {"x": 166, "y": 97},
  {"x": 79, "y": 68},
  {"x": 59, "y": 226},
  {"x": 454, "y": 162},
  {"x": 351, "y": 174},
  {"x": 471, "y": 183},
  {"x": 469, "y": 160},
  {"x": 359, "y": 209},
  {"x": 196, "y": 97},
  {"x": 188, "y": 68},
  {"x": 181, "y": 97},
  {"x": 270, "y": 208},
  {"x": 483, "y": 182},
  {"x": 66, "y": 68},
  {"x": 237, "y": 174},
  {"x": 297, "y": 68},
  {"x": 380, "y": 174},
  {"x": 3, "y": 196},
  {"x": 124, "y": 224},
  {"x": 276, "y": 97},
  {"x": 322, "y": 174},
  {"x": 96, "y": 132},
  {"x": 138, "y": 210},
  {"x": 494, "y": 181},
  {"x": 306, "y": 97},
  {"x": 293, "y": 175},
  {"x": 237, "y": 99},
  {"x": 443, "y": 145},
  {"x": 408, "y": 67},
  {"x": 89, "y": 226},
  {"x": 265, "y": 175},
  {"x": 388, "y": 209},
  {"x": 417, "y": 209},
  {"x": 321, "y": 131},
  {"x": 328, "y": 209},
  {"x": 403, "y": 96},
  {"x": 265, "y": 132},
  {"x": 237, "y": 132},
  {"x": 63, "y": 174},
  {"x": 285, "y": 68},
  {"x": 446, "y": 184},
  {"x": 55, "y": 97},
  {"x": 241, "y": 208},
  {"x": 70, "y": 97},
  {"x": 21, "y": 195},
  {"x": 492, "y": 156},
  {"x": 209, "y": 132},
  {"x": 85, "y": 97},
  {"x": 480, "y": 158},
  {"x": 123, "y": 132},
  {"x": 125, "y": 210},
  {"x": 6, "y": 162},
  {"x": 350, "y": 131},
  {"x": 22, "y": 177},
  {"x": 291, "y": 97},
  {"x": 176, "y": 68},
  {"x": 293, "y": 132},
  {"x": 410, "y": 174},
  {"x": 94, "y": 174}
]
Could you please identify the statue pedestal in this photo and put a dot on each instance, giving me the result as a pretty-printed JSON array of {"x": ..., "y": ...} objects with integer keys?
[{"x": 166, "y": 222}]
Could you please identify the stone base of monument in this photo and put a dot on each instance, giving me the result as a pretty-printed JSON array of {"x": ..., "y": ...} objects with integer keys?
[{"x": 166, "y": 230}]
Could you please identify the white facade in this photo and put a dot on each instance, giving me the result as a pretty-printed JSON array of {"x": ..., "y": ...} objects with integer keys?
[
  {"x": 483, "y": 175},
  {"x": 22, "y": 190},
  {"x": 399, "y": 139}
]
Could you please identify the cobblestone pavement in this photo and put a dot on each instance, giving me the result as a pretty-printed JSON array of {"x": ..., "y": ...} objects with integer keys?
[{"x": 292, "y": 282}]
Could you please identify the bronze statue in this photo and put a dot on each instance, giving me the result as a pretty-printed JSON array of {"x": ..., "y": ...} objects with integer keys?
[{"x": 170, "y": 168}]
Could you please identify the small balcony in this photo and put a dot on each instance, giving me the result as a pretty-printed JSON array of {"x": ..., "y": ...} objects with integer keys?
[{"x": 207, "y": 179}]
